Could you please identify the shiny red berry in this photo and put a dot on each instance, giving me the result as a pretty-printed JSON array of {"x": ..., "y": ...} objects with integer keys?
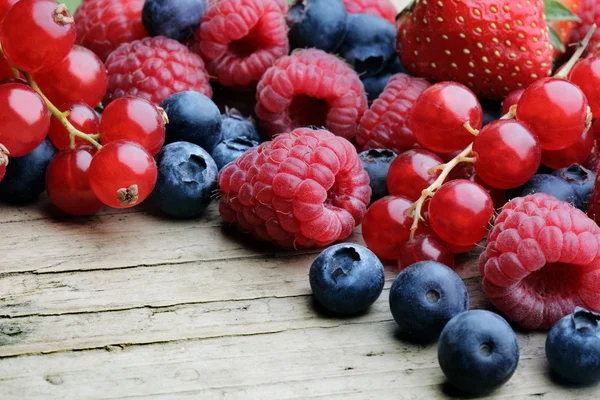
[
  {"x": 410, "y": 174},
  {"x": 24, "y": 119},
  {"x": 586, "y": 75},
  {"x": 6, "y": 71},
  {"x": 508, "y": 154},
  {"x": 67, "y": 182},
  {"x": 36, "y": 35},
  {"x": 122, "y": 174},
  {"x": 79, "y": 77},
  {"x": 438, "y": 117},
  {"x": 511, "y": 100},
  {"x": 555, "y": 110},
  {"x": 460, "y": 211},
  {"x": 133, "y": 119},
  {"x": 425, "y": 247},
  {"x": 81, "y": 116},
  {"x": 577, "y": 153},
  {"x": 5, "y": 5}
]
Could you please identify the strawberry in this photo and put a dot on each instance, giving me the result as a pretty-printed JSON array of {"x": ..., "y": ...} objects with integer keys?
[{"x": 494, "y": 47}]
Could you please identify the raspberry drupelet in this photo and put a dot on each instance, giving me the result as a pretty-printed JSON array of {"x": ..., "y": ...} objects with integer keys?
[{"x": 303, "y": 189}]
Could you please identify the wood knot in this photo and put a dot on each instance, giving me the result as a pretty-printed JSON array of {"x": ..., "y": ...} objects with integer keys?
[
  {"x": 128, "y": 196},
  {"x": 62, "y": 16}
]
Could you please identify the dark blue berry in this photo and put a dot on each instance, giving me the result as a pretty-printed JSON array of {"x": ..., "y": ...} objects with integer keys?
[
  {"x": 231, "y": 149},
  {"x": 581, "y": 179},
  {"x": 374, "y": 85},
  {"x": 573, "y": 347},
  {"x": 552, "y": 185},
  {"x": 175, "y": 19},
  {"x": 492, "y": 110},
  {"x": 187, "y": 177},
  {"x": 346, "y": 278},
  {"x": 25, "y": 177},
  {"x": 370, "y": 44},
  {"x": 193, "y": 118},
  {"x": 317, "y": 23},
  {"x": 478, "y": 351},
  {"x": 377, "y": 163},
  {"x": 234, "y": 125},
  {"x": 424, "y": 297}
]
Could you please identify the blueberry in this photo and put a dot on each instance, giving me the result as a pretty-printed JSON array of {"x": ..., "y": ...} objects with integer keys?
[
  {"x": 175, "y": 19},
  {"x": 25, "y": 177},
  {"x": 317, "y": 23},
  {"x": 581, "y": 179},
  {"x": 424, "y": 297},
  {"x": 370, "y": 44},
  {"x": 187, "y": 176},
  {"x": 234, "y": 125},
  {"x": 544, "y": 183},
  {"x": 346, "y": 278},
  {"x": 377, "y": 163},
  {"x": 573, "y": 347},
  {"x": 193, "y": 118},
  {"x": 478, "y": 351},
  {"x": 374, "y": 85},
  {"x": 231, "y": 149}
]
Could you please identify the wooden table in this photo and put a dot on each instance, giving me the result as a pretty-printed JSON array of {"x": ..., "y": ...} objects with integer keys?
[{"x": 130, "y": 304}]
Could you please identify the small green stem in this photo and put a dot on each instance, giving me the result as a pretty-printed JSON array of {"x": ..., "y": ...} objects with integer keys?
[{"x": 582, "y": 46}]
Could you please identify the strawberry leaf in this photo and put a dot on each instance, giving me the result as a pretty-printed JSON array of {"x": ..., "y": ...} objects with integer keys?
[
  {"x": 555, "y": 40},
  {"x": 555, "y": 10}
]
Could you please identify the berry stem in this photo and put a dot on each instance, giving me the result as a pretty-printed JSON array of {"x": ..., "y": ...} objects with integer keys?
[{"x": 576, "y": 56}]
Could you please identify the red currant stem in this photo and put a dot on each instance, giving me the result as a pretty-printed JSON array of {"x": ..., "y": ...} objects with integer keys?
[
  {"x": 415, "y": 209},
  {"x": 512, "y": 112},
  {"x": 564, "y": 71},
  {"x": 472, "y": 131}
]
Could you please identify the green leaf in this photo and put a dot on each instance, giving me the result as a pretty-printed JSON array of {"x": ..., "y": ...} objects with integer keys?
[
  {"x": 555, "y": 10},
  {"x": 555, "y": 40}
]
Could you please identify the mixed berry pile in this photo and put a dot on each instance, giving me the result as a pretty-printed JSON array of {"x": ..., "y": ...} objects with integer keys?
[{"x": 453, "y": 125}]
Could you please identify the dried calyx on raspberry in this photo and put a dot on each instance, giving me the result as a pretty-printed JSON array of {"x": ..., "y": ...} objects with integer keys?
[
  {"x": 303, "y": 189},
  {"x": 542, "y": 259},
  {"x": 310, "y": 88}
]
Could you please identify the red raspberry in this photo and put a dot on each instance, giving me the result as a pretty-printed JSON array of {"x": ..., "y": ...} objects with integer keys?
[
  {"x": 542, "y": 259},
  {"x": 310, "y": 88},
  {"x": 102, "y": 25},
  {"x": 154, "y": 68},
  {"x": 384, "y": 125},
  {"x": 589, "y": 13},
  {"x": 306, "y": 188},
  {"x": 240, "y": 39},
  {"x": 380, "y": 8}
]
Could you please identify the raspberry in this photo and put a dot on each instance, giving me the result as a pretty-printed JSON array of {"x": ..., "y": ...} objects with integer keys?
[
  {"x": 384, "y": 125},
  {"x": 542, "y": 259},
  {"x": 380, "y": 8},
  {"x": 240, "y": 39},
  {"x": 154, "y": 69},
  {"x": 303, "y": 189},
  {"x": 102, "y": 25},
  {"x": 589, "y": 14},
  {"x": 310, "y": 88}
]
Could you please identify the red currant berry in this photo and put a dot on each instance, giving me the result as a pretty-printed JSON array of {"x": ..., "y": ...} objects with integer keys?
[
  {"x": 6, "y": 71},
  {"x": 122, "y": 174},
  {"x": 586, "y": 75},
  {"x": 67, "y": 182},
  {"x": 438, "y": 117},
  {"x": 460, "y": 211},
  {"x": 507, "y": 154},
  {"x": 5, "y": 5},
  {"x": 555, "y": 110},
  {"x": 409, "y": 173},
  {"x": 49, "y": 31},
  {"x": 425, "y": 248},
  {"x": 133, "y": 119},
  {"x": 79, "y": 77},
  {"x": 81, "y": 116},
  {"x": 386, "y": 226},
  {"x": 575, "y": 154},
  {"x": 511, "y": 100},
  {"x": 24, "y": 119}
]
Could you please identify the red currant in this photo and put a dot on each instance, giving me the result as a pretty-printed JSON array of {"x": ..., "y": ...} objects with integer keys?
[
  {"x": 6, "y": 71},
  {"x": 133, "y": 119},
  {"x": 386, "y": 226},
  {"x": 577, "y": 153},
  {"x": 37, "y": 35},
  {"x": 586, "y": 75},
  {"x": 5, "y": 5},
  {"x": 507, "y": 154},
  {"x": 24, "y": 119},
  {"x": 79, "y": 77},
  {"x": 465, "y": 170},
  {"x": 122, "y": 174},
  {"x": 555, "y": 110},
  {"x": 409, "y": 173},
  {"x": 425, "y": 248},
  {"x": 511, "y": 100},
  {"x": 438, "y": 117},
  {"x": 67, "y": 182},
  {"x": 460, "y": 211},
  {"x": 81, "y": 116}
]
